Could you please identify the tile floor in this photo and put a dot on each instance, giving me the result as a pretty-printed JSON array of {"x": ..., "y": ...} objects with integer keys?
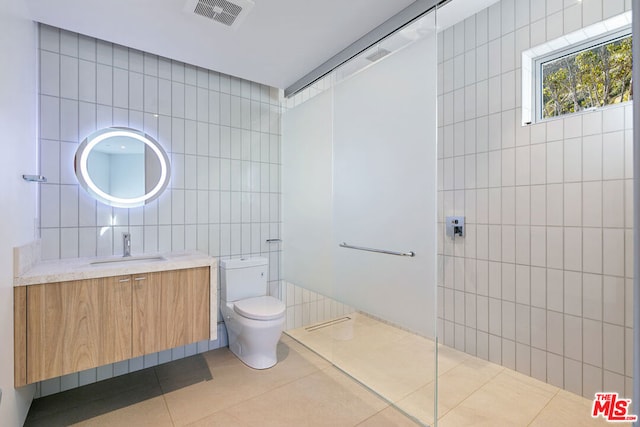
[
  {"x": 216, "y": 389},
  {"x": 400, "y": 366},
  {"x": 305, "y": 389}
]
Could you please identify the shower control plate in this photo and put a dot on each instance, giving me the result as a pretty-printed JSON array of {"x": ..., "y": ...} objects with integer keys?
[{"x": 454, "y": 226}]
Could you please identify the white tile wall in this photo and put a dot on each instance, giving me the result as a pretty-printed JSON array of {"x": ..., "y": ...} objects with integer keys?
[
  {"x": 548, "y": 207},
  {"x": 221, "y": 133},
  {"x": 306, "y": 307}
]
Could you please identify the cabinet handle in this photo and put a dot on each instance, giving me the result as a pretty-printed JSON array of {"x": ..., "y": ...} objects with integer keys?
[
  {"x": 140, "y": 278},
  {"x": 124, "y": 280}
]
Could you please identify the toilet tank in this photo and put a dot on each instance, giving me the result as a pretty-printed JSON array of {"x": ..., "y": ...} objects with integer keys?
[{"x": 243, "y": 278}]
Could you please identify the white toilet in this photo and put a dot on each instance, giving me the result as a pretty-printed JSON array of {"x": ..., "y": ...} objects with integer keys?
[{"x": 253, "y": 319}]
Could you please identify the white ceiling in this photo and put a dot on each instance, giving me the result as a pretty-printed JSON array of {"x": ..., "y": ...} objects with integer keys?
[{"x": 279, "y": 41}]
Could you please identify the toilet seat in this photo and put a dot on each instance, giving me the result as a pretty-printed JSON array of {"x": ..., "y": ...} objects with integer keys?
[{"x": 260, "y": 308}]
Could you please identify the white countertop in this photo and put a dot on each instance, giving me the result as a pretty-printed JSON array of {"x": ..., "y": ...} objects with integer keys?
[{"x": 81, "y": 268}]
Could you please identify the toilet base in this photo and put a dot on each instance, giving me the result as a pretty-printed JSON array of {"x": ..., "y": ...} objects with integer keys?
[
  {"x": 254, "y": 342},
  {"x": 255, "y": 361}
]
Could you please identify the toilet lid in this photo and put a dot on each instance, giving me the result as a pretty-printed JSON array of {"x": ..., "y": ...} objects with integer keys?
[{"x": 260, "y": 308}]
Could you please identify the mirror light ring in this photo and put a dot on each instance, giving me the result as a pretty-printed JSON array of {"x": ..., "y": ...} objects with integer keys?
[{"x": 130, "y": 133}]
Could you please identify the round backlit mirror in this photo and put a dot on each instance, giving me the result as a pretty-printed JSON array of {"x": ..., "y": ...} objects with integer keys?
[{"x": 122, "y": 167}]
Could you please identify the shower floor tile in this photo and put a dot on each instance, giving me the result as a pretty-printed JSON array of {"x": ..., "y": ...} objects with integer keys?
[{"x": 400, "y": 367}]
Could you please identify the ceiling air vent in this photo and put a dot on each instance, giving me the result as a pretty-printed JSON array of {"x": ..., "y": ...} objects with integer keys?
[
  {"x": 229, "y": 13},
  {"x": 378, "y": 54}
]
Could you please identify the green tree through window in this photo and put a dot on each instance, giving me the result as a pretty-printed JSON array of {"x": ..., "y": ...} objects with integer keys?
[{"x": 591, "y": 78}]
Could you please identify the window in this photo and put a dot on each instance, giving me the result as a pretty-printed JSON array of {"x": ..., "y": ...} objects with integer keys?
[
  {"x": 588, "y": 69},
  {"x": 591, "y": 78}
]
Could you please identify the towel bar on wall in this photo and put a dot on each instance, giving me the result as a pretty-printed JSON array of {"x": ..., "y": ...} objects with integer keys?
[
  {"x": 34, "y": 178},
  {"x": 382, "y": 251}
]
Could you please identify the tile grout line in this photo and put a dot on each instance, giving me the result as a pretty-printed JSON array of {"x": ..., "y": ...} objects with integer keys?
[
  {"x": 264, "y": 392},
  {"x": 545, "y": 406},
  {"x": 441, "y": 415},
  {"x": 164, "y": 400},
  {"x": 391, "y": 407}
]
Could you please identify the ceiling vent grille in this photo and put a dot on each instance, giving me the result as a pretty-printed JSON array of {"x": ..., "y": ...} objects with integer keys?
[
  {"x": 378, "y": 54},
  {"x": 229, "y": 13}
]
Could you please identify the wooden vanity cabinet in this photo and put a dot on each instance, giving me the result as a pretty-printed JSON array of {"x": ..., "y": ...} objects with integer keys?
[
  {"x": 170, "y": 309},
  {"x": 67, "y": 327},
  {"x": 77, "y": 325},
  {"x": 146, "y": 314}
]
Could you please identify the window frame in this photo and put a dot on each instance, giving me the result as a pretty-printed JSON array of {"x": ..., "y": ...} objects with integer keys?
[{"x": 587, "y": 38}]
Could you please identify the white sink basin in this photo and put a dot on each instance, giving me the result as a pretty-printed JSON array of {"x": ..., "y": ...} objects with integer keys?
[{"x": 127, "y": 260}]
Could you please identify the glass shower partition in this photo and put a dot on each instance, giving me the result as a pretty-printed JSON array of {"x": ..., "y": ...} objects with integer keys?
[{"x": 359, "y": 220}]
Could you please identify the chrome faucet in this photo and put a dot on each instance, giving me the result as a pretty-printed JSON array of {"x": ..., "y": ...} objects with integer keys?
[{"x": 126, "y": 244}]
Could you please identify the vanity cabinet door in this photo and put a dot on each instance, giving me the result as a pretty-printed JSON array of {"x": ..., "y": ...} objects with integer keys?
[
  {"x": 147, "y": 314},
  {"x": 187, "y": 303},
  {"x": 77, "y": 325},
  {"x": 115, "y": 320},
  {"x": 170, "y": 309},
  {"x": 174, "y": 307},
  {"x": 199, "y": 303}
]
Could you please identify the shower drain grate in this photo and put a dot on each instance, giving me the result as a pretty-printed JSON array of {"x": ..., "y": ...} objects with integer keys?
[{"x": 323, "y": 325}]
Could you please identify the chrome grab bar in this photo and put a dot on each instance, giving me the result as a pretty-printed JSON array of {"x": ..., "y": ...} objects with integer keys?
[{"x": 382, "y": 251}]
